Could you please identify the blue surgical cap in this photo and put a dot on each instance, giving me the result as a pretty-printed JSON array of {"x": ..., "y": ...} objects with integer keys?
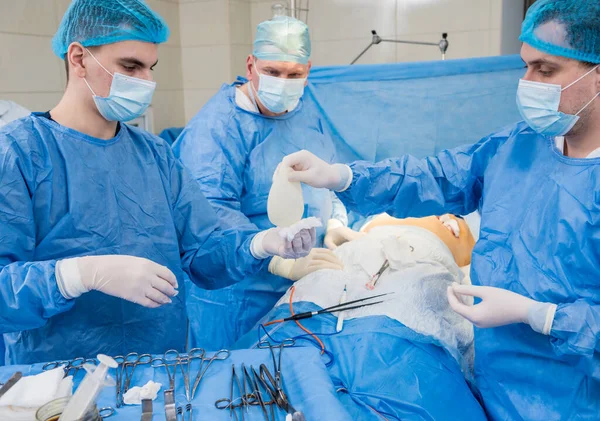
[
  {"x": 282, "y": 39},
  {"x": 566, "y": 28},
  {"x": 100, "y": 22}
]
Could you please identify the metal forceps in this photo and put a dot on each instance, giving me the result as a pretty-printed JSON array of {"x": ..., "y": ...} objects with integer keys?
[
  {"x": 221, "y": 355},
  {"x": 375, "y": 278},
  {"x": 73, "y": 365},
  {"x": 125, "y": 371},
  {"x": 133, "y": 360},
  {"x": 256, "y": 381},
  {"x": 188, "y": 411},
  {"x": 170, "y": 358},
  {"x": 274, "y": 384},
  {"x": 229, "y": 403},
  {"x": 186, "y": 360}
]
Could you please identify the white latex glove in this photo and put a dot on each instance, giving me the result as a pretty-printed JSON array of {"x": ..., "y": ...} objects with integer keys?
[
  {"x": 294, "y": 270},
  {"x": 273, "y": 242},
  {"x": 500, "y": 307},
  {"x": 336, "y": 236},
  {"x": 134, "y": 279},
  {"x": 312, "y": 170}
]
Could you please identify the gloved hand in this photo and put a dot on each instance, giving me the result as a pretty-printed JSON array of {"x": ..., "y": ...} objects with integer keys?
[
  {"x": 338, "y": 235},
  {"x": 500, "y": 307},
  {"x": 272, "y": 243},
  {"x": 134, "y": 279},
  {"x": 294, "y": 270},
  {"x": 312, "y": 170}
]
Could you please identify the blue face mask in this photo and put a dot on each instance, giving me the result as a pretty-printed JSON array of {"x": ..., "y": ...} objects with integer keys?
[
  {"x": 538, "y": 104},
  {"x": 279, "y": 94},
  {"x": 129, "y": 97}
]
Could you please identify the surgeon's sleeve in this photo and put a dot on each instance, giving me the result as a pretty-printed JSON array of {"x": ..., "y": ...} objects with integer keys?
[
  {"x": 214, "y": 256},
  {"x": 215, "y": 153},
  {"x": 451, "y": 182},
  {"x": 29, "y": 294},
  {"x": 576, "y": 328},
  {"x": 338, "y": 210}
]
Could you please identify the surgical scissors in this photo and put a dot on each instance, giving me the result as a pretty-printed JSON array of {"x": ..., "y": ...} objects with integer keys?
[
  {"x": 68, "y": 365},
  {"x": 221, "y": 355}
]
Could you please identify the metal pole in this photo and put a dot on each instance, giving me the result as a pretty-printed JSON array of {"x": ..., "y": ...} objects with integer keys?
[
  {"x": 361, "y": 54},
  {"x": 293, "y": 8}
]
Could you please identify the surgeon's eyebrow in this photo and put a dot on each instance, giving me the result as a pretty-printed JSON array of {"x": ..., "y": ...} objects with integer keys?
[
  {"x": 132, "y": 61},
  {"x": 541, "y": 62}
]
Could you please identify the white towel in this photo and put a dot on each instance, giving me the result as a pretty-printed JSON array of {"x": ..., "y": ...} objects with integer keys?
[{"x": 23, "y": 400}]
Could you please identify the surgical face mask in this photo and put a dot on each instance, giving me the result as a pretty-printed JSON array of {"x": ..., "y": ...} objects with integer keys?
[
  {"x": 538, "y": 104},
  {"x": 129, "y": 97},
  {"x": 279, "y": 94}
]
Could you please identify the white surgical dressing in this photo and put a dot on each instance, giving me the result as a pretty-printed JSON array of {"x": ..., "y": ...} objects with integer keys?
[
  {"x": 421, "y": 269},
  {"x": 451, "y": 224},
  {"x": 285, "y": 205},
  {"x": 135, "y": 395},
  {"x": 22, "y": 401},
  {"x": 305, "y": 224}
]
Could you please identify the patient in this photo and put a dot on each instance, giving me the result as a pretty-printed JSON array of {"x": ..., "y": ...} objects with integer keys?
[{"x": 406, "y": 358}]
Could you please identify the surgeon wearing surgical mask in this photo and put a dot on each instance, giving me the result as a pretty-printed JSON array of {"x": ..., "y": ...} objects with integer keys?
[
  {"x": 233, "y": 146},
  {"x": 102, "y": 227},
  {"x": 536, "y": 266}
]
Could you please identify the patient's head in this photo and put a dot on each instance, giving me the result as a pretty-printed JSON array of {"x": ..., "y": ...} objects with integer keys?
[{"x": 460, "y": 246}]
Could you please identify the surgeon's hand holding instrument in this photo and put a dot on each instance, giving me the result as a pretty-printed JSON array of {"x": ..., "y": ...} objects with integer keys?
[
  {"x": 500, "y": 307},
  {"x": 89, "y": 389},
  {"x": 312, "y": 170},
  {"x": 134, "y": 279}
]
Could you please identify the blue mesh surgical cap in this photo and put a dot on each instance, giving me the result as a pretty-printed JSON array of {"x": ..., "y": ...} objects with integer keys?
[
  {"x": 282, "y": 39},
  {"x": 100, "y": 22},
  {"x": 566, "y": 28}
]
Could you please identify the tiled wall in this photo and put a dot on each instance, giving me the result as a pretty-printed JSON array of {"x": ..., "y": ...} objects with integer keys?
[
  {"x": 341, "y": 29},
  {"x": 216, "y": 38},
  {"x": 210, "y": 40},
  {"x": 31, "y": 75}
]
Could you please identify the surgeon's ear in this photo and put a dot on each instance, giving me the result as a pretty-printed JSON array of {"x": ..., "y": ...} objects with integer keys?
[
  {"x": 598, "y": 78},
  {"x": 308, "y": 72},
  {"x": 75, "y": 55},
  {"x": 249, "y": 65}
]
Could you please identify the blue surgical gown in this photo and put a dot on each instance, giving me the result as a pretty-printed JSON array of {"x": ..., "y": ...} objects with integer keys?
[
  {"x": 65, "y": 194},
  {"x": 540, "y": 237},
  {"x": 233, "y": 153}
]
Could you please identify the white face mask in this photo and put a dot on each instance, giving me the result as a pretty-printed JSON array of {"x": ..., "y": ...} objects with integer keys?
[{"x": 279, "y": 94}]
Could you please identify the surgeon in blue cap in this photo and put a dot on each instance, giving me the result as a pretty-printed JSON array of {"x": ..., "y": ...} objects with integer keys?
[
  {"x": 100, "y": 224},
  {"x": 232, "y": 147},
  {"x": 536, "y": 267}
]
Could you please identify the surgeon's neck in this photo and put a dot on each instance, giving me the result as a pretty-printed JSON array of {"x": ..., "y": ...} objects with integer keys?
[
  {"x": 583, "y": 142},
  {"x": 74, "y": 111}
]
